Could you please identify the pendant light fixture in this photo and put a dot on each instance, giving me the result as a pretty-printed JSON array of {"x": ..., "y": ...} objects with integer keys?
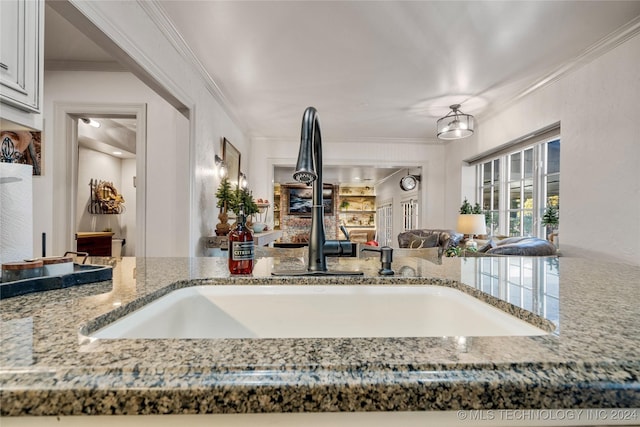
[{"x": 455, "y": 125}]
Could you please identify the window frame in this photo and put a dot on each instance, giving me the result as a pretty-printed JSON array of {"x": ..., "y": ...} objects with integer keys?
[
  {"x": 532, "y": 204},
  {"x": 410, "y": 214}
]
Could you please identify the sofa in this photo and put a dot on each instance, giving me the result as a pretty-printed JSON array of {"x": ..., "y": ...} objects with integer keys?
[
  {"x": 429, "y": 238},
  {"x": 515, "y": 246},
  {"x": 444, "y": 239}
]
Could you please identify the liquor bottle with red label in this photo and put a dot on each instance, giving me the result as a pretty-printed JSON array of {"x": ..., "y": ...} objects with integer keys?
[{"x": 241, "y": 248}]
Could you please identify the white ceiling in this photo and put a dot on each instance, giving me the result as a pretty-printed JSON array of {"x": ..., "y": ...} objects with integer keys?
[
  {"x": 383, "y": 69},
  {"x": 373, "y": 69},
  {"x": 115, "y": 136}
]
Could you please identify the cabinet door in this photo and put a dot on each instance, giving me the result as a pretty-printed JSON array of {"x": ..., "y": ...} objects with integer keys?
[{"x": 20, "y": 53}]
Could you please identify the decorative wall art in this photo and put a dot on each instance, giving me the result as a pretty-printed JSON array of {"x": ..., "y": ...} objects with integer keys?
[
  {"x": 104, "y": 198},
  {"x": 23, "y": 147},
  {"x": 300, "y": 200},
  {"x": 231, "y": 157}
]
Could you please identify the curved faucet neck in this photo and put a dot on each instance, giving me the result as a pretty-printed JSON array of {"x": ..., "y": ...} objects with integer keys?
[{"x": 310, "y": 167}]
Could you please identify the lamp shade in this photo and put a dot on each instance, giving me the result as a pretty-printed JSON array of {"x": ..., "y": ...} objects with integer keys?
[
  {"x": 456, "y": 124},
  {"x": 471, "y": 224}
]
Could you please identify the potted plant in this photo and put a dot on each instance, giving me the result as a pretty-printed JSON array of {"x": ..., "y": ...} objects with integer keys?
[
  {"x": 467, "y": 209},
  {"x": 243, "y": 197},
  {"x": 344, "y": 205},
  {"x": 225, "y": 195},
  {"x": 551, "y": 219}
]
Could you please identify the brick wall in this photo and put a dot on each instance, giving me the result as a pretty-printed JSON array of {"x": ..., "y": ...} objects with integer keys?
[{"x": 295, "y": 228}]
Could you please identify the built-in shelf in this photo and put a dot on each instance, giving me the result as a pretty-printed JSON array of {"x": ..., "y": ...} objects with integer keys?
[
  {"x": 359, "y": 212},
  {"x": 276, "y": 207}
]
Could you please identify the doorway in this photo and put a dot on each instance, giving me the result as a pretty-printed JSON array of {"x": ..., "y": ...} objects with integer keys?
[
  {"x": 68, "y": 121},
  {"x": 106, "y": 199}
]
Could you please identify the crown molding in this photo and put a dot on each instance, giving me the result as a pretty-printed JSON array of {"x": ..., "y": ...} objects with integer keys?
[
  {"x": 159, "y": 17},
  {"x": 604, "y": 45}
]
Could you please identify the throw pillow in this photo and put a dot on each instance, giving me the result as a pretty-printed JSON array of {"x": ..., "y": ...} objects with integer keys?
[
  {"x": 415, "y": 243},
  {"x": 489, "y": 245},
  {"x": 524, "y": 246},
  {"x": 430, "y": 241}
]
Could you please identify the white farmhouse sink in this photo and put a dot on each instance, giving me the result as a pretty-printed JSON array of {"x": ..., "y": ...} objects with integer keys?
[{"x": 316, "y": 312}]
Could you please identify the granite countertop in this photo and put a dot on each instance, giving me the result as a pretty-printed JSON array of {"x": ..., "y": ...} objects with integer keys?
[{"x": 48, "y": 366}]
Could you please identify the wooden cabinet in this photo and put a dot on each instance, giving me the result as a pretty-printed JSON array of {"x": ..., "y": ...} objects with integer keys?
[
  {"x": 96, "y": 244},
  {"x": 21, "y": 61}
]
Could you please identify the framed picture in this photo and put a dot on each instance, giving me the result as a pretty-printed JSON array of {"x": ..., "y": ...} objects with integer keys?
[
  {"x": 300, "y": 200},
  {"x": 22, "y": 146},
  {"x": 231, "y": 157}
]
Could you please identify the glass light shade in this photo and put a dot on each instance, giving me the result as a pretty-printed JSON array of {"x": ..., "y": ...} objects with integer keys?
[
  {"x": 222, "y": 172},
  {"x": 455, "y": 125},
  {"x": 471, "y": 224},
  {"x": 222, "y": 167}
]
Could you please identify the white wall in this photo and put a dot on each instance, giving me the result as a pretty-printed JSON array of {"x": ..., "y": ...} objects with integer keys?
[
  {"x": 597, "y": 106},
  {"x": 389, "y": 191},
  {"x": 97, "y": 166},
  {"x": 167, "y": 159},
  {"x": 180, "y": 162},
  {"x": 103, "y": 167}
]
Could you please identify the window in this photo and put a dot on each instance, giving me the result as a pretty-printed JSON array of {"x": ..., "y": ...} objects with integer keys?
[
  {"x": 409, "y": 214},
  {"x": 520, "y": 193},
  {"x": 490, "y": 193},
  {"x": 516, "y": 188},
  {"x": 384, "y": 220}
]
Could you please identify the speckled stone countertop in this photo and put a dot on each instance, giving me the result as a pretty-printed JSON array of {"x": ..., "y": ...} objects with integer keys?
[{"x": 591, "y": 359}]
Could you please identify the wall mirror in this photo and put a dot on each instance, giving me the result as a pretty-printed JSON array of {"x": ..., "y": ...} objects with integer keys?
[{"x": 231, "y": 157}]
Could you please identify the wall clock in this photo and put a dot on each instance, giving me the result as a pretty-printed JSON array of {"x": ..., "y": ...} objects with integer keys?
[{"x": 409, "y": 182}]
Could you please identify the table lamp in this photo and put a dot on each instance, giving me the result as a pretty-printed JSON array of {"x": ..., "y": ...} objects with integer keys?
[{"x": 471, "y": 224}]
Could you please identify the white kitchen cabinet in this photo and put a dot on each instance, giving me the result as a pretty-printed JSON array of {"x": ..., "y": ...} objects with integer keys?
[{"x": 21, "y": 60}]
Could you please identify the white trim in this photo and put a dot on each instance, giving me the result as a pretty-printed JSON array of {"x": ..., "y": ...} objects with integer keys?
[
  {"x": 194, "y": 218},
  {"x": 65, "y": 183},
  {"x": 546, "y": 134}
]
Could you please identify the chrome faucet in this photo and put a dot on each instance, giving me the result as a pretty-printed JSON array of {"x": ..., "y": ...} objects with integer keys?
[{"x": 309, "y": 171}]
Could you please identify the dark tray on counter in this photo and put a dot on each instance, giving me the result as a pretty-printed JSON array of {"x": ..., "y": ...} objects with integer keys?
[{"x": 82, "y": 274}]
